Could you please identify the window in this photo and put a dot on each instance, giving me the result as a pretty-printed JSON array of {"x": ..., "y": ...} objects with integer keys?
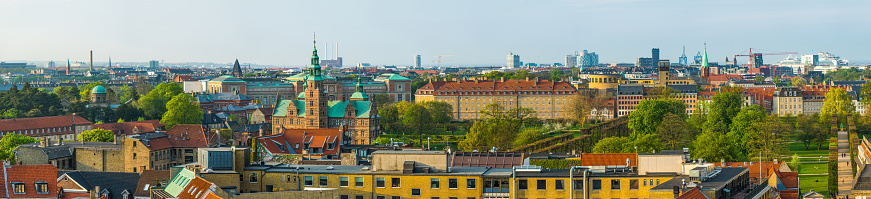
[
  {"x": 615, "y": 184},
  {"x": 541, "y": 184},
  {"x": 558, "y": 185},
  {"x": 18, "y": 188},
  {"x": 41, "y": 187},
  {"x": 434, "y": 197},
  {"x": 290, "y": 178},
  {"x": 395, "y": 183},
  {"x": 434, "y": 183},
  {"x": 657, "y": 181},
  {"x": 322, "y": 181},
  {"x": 452, "y": 183},
  {"x": 252, "y": 177},
  {"x": 343, "y": 181},
  {"x": 633, "y": 183},
  {"x": 471, "y": 183},
  {"x": 645, "y": 181},
  {"x": 597, "y": 184},
  {"x": 415, "y": 192},
  {"x": 395, "y": 197},
  {"x": 379, "y": 182},
  {"x": 343, "y": 197},
  {"x": 358, "y": 181},
  {"x": 358, "y": 197},
  {"x": 579, "y": 185},
  {"x": 522, "y": 185},
  {"x": 308, "y": 181},
  {"x": 380, "y": 197}
]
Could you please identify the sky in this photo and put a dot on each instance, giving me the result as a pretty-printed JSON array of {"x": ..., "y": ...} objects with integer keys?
[{"x": 388, "y": 32}]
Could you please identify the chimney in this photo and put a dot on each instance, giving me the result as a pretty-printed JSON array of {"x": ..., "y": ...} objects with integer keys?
[
  {"x": 115, "y": 140},
  {"x": 60, "y": 141},
  {"x": 501, "y": 79},
  {"x": 775, "y": 160},
  {"x": 527, "y": 78}
]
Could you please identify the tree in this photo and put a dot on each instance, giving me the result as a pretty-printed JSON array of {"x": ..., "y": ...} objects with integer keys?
[
  {"x": 127, "y": 93},
  {"x": 611, "y": 145},
  {"x": 440, "y": 112},
  {"x": 769, "y": 137},
  {"x": 865, "y": 95},
  {"x": 838, "y": 103},
  {"x": 128, "y": 112},
  {"x": 712, "y": 146},
  {"x": 493, "y": 111},
  {"x": 798, "y": 81},
  {"x": 11, "y": 113},
  {"x": 155, "y": 102},
  {"x": 120, "y": 120},
  {"x": 759, "y": 79},
  {"x": 741, "y": 124},
  {"x": 380, "y": 100},
  {"x": 417, "y": 117},
  {"x": 673, "y": 132},
  {"x": 578, "y": 107},
  {"x": 11, "y": 141},
  {"x": 527, "y": 136},
  {"x": 182, "y": 109},
  {"x": 486, "y": 134},
  {"x": 97, "y": 135},
  {"x": 646, "y": 143},
  {"x": 521, "y": 114},
  {"x": 724, "y": 106},
  {"x": 649, "y": 113},
  {"x": 389, "y": 116}
]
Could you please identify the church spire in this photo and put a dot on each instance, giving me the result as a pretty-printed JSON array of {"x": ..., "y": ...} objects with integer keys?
[
  {"x": 237, "y": 70},
  {"x": 315, "y": 68},
  {"x": 705, "y": 57}
]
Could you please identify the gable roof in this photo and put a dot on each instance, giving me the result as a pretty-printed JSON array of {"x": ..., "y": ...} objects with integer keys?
[
  {"x": 198, "y": 188},
  {"x": 113, "y": 182},
  {"x": 335, "y": 108},
  {"x": 42, "y": 122},
  {"x": 609, "y": 159},
  {"x": 286, "y": 142},
  {"x": 182, "y": 135},
  {"x": 126, "y": 128},
  {"x": 28, "y": 174},
  {"x": 148, "y": 179},
  {"x": 694, "y": 193},
  {"x": 754, "y": 168}
]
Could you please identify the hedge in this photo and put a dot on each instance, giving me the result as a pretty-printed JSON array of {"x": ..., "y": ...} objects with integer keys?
[{"x": 554, "y": 163}]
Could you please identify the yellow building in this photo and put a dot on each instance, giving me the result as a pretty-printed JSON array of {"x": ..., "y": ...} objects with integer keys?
[{"x": 468, "y": 97}]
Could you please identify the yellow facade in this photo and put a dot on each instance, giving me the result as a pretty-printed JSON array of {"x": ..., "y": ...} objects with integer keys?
[{"x": 468, "y": 107}]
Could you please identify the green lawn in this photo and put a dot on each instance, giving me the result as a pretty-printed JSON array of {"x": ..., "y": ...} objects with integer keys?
[
  {"x": 808, "y": 168},
  {"x": 808, "y": 182},
  {"x": 798, "y": 148}
]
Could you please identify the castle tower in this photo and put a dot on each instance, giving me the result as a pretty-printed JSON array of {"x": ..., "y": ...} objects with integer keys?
[
  {"x": 316, "y": 109},
  {"x": 359, "y": 95}
]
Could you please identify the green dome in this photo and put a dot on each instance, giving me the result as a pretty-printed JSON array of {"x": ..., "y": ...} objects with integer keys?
[{"x": 98, "y": 89}]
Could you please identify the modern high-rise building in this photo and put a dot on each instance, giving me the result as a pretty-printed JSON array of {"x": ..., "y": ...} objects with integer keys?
[
  {"x": 588, "y": 59},
  {"x": 649, "y": 63},
  {"x": 153, "y": 64},
  {"x": 682, "y": 60},
  {"x": 572, "y": 60},
  {"x": 417, "y": 61},
  {"x": 50, "y": 64},
  {"x": 513, "y": 61}
]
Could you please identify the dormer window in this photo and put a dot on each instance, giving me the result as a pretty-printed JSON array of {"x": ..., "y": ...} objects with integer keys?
[{"x": 18, "y": 188}]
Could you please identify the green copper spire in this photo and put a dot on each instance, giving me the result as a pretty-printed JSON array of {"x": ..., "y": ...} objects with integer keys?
[
  {"x": 315, "y": 68},
  {"x": 705, "y": 57},
  {"x": 359, "y": 95}
]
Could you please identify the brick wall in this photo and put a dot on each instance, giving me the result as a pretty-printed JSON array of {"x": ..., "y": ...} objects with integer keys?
[
  {"x": 99, "y": 160},
  {"x": 30, "y": 156}
]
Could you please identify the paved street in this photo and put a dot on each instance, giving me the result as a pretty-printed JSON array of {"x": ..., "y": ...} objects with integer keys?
[{"x": 845, "y": 173}]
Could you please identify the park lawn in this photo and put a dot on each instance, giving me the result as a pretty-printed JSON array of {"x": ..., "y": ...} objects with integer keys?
[
  {"x": 798, "y": 148},
  {"x": 807, "y": 183},
  {"x": 808, "y": 168}
]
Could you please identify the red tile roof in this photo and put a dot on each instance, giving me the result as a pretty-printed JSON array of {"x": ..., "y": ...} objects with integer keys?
[
  {"x": 492, "y": 86},
  {"x": 290, "y": 138},
  {"x": 127, "y": 128},
  {"x": 42, "y": 123},
  {"x": 150, "y": 178},
  {"x": 754, "y": 168},
  {"x": 609, "y": 159},
  {"x": 789, "y": 179},
  {"x": 183, "y": 135},
  {"x": 694, "y": 193},
  {"x": 789, "y": 194},
  {"x": 29, "y": 174}
]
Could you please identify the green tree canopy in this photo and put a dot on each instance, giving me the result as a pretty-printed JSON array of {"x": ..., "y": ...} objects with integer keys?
[
  {"x": 649, "y": 113},
  {"x": 769, "y": 138},
  {"x": 712, "y": 146},
  {"x": 440, "y": 112},
  {"x": 673, "y": 132},
  {"x": 416, "y": 117},
  {"x": 182, "y": 109},
  {"x": 10, "y": 141},
  {"x": 155, "y": 102},
  {"x": 97, "y": 135},
  {"x": 486, "y": 134},
  {"x": 724, "y": 106},
  {"x": 798, "y": 81},
  {"x": 837, "y": 103},
  {"x": 85, "y": 90},
  {"x": 644, "y": 144},
  {"x": 741, "y": 125}
]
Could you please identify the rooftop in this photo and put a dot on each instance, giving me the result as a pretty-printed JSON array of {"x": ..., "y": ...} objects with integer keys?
[{"x": 718, "y": 182}]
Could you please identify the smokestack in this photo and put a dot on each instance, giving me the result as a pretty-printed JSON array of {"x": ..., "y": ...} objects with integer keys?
[{"x": 91, "y": 66}]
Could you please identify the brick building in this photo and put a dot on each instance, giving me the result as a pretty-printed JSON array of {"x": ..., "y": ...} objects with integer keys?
[
  {"x": 133, "y": 127},
  {"x": 316, "y": 108},
  {"x": 467, "y": 97},
  {"x": 66, "y": 126},
  {"x": 160, "y": 151},
  {"x": 314, "y": 142}
]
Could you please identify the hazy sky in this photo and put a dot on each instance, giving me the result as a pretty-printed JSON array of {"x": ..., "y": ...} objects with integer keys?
[{"x": 392, "y": 32}]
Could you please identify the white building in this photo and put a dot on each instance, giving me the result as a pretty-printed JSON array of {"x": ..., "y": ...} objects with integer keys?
[{"x": 513, "y": 61}]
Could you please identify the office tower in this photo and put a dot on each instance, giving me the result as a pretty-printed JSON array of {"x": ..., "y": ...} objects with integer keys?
[
  {"x": 698, "y": 58},
  {"x": 153, "y": 64},
  {"x": 417, "y": 61},
  {"x": 513, "y": 61},
  {"x": 50, "y": 64},
  {"x": 588, "y": 59},
  {"x": 572, "y": 60},
  {"x": 649, "y": 63},
  {"x": 91, "y": 65}
]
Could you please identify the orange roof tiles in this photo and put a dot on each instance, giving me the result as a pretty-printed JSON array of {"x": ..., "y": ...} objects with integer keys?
[
  {"x": 789, "y": 194},
  {"x": 754, "y": 168},
  {"x": 198, "y": 188},
  {"x": 42, "y": 123},
  {"x": 29, "y": 175},
  {"x": 609, "y": 159},
  {"x": 694, "y": 193},
  {"x": 127, "y": 128},
  {"x": 289, "y": 139},
  {"x": 195, "y": 136}
]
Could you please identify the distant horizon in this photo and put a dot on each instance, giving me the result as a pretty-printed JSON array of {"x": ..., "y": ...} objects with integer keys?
[{"x": 392, "y": 32}]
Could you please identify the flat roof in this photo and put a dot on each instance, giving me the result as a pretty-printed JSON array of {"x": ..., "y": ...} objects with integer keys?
[
  {"x": 418, "y": 152},
  {"x": 718, "y": 182}
]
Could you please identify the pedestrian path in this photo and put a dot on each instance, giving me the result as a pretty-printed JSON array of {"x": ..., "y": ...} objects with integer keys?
[{"x": 845, "y": 172}]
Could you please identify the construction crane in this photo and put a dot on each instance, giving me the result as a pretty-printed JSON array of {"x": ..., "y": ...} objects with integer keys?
[
  {"x": 756, "y": 58},
  {"x": 439, "y": 59}
]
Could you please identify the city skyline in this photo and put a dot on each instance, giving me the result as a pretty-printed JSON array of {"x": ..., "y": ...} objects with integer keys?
[{"x": 393, "y": 32}]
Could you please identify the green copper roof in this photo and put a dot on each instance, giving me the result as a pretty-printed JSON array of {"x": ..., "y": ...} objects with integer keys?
[
  {"x": 302, "y": 77},
  {"x": 705, "y": 58},
  {"x": 359, "y": 95},
  {"x": 281, "y": 109},
  {"x": 98, "y": 89},
  {"x": 301, "y": 95},
  {"x": 336, "y": 109},
  {"x": 391, "y": 76},
  {"x": 179, "y": 181},
  {"x": 226, "y": 78}
]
